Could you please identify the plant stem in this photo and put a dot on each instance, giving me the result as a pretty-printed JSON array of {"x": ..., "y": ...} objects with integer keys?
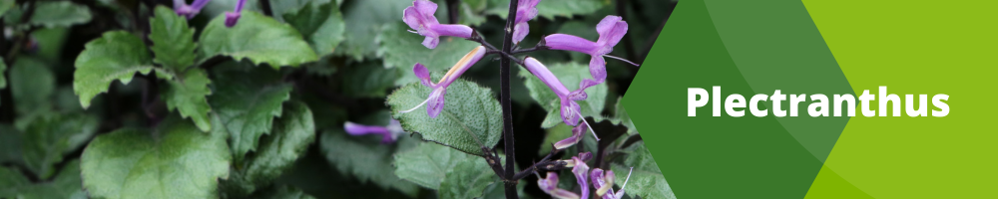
[
  {"x": 452, "y": 13},
  {"x": 265, "y": 6},
  {"x": 504, "y": 98}
]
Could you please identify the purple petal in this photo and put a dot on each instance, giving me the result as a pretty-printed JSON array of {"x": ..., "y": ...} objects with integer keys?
[
  {"x": 611, "y": 29},
  {"x": 431, "y": 42},
  {"x": 199, "y": 4},
  {"x": 426, "y": 8},
  {"x": 463, "y": 65},
  {"x": 550, "y": 186},
  {"x": 358, "y": 130},
  {"x": 423, "y": 74},
  {"x": 452, "y": 30},
  {"x": 412, "y": 18},
  {"x": 231, "y": 18},
  {"x": 538, "y": 69},
  {"x": 239, "y": 5},
  {"x": 571, "y": 43},
  {"x": 436, "y": 102},
  {"x": 598, "y": 181},
  {"x": 580, "y": 170},
  {"x": 597, "y": 68},
  {"x": 587, "y": 155},
  {"x": 526, "y": 10},
  {"x": 520, "y": 31},
  {"x": 570, "y": 112},
  {"x": 185, "y": 10},
  {"x": 571, "y": 140}
]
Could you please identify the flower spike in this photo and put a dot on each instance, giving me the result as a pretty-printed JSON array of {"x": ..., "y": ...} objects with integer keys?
[
  {"x": 420, "y": 17},
  {"x": 435, "y": 102},
  {"x": 550, "y": 186},
  {"x": 232, "y": 17},
  {"x": 389, "y": 134},
  {"x": 581, "y": 170},
  {"x": 611, "y": 29},
  {"x": 603, "y": 181},
  {"x": 525, "y": 11},
  {"x": 189, "y": 11},
  {"x": 571, "y": 112}
]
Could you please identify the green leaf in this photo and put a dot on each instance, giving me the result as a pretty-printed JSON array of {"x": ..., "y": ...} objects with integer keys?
[
  {"x": 647, "y": 180},
  {"x": 174, "y": 160},
  {"x": 3, "y": 69},
  {"x": 292, "y": 135},
  {"x": 52, "y": 14},
  {"x": 366, "y": 159},
  {"x": 65, "y": 185},
  {"x": 427, "y": 164},
  {"x": 552, "y": 8},
  {"x": 623, "y": 118},
  {"x": 365, "y": 20},
  {"x": 554, "y": 134},
  {"x": 259, "y": 38},
  {"x": 321, "y": 25},
  {"x": 368, "y": 80},
  {"x": 188, "y": 96},
  {"x": 283, "y": 192},
  {"x": 47, "y": 138},
  {"x": 403, "y": 49},
  {"x": 471, "y": 117},
  {"x": 5, "y": 5},
  {"x": 570, "y": 75},
  {"x": 31, "y": 84},
  {"x": 10, "y": 145},
  {"x": 117, "y": 55},
  {"x": 173, "y": 40},
  {"x": 468, "y": 179},
  {"x": 246, "y": 103}
]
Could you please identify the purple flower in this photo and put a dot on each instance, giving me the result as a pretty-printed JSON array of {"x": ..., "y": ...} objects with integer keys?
[
  {"x": 389, "y": 134},
  {"x": 525, "y": 11},
  {"x": 611, "y": 29},
  {"x": 603, "y": 181},
  {"x": 571, "y": 112},
  {"x": 232, "y": 17},
  {"x": 420, "y": 17},
  {"x": 189, "y": 11},
  {"x": 550, "y": 186},
  {"x": 436, "y": 99},
  {"x": 572, "y": 140},
  {"x": 581, "y": 170}
]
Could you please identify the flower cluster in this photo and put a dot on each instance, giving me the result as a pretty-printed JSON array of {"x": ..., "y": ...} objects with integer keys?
[{"x": 189, "y": 11}]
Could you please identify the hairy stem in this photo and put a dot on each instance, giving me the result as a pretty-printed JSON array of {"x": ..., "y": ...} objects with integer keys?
[{"x": 504, "y": 98}]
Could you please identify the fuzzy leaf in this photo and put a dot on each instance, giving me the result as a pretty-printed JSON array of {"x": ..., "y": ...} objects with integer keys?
[
  {"x": 403, "y": 49},
  {"x": 117, "y": 55},
  {"x": 365, "y": 19},
  {"x": 471, "y": 117},
  {"x": 552, "y": 8},
  {"x": 570, "y": 75},
  {"x": 368, "y": 80},
  {"x": 246, "y": 103},
  {"x": 468, "y": 179},
  {"x": 366, "y": 159},
  {"x": 65, "y": 185},
  {"x": 52, "y": 14},
  {"x": 259, "y": 38},
  {"x": 47, "y": 138},
  {"x": 647, "y": 180},
  {"x": 322, "y": 25},
  {"x": 427, "y": 164},
  {"x": 292, "y": 135},
  {"x": 175, "y": 160},
  {"x": 32, "y": 84},
  {"x": 188, "y": 96},
  {"x": 173, "y": 40}
]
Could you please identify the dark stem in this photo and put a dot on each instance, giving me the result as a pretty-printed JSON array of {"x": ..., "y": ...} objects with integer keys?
[
  {"x": 265, "y": 6},
  {"x": 546, "y": 164},
  {"x": 527, "y": 50},
  {"x": 452, "y": 13},
  {"x": 504, "y": 99}
]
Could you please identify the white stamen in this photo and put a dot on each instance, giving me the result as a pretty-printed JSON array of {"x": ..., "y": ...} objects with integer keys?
[
  {"x": 417, "y": 106},
  {"x": 628, "y": 178},
  {"x": 622, "y": 59},
  {"x": 588, "y": 126},
  {"x": 412, "y": 31}
]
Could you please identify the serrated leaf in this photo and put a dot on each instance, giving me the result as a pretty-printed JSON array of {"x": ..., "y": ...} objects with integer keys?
[
  {"x": 427, "y": 164},
  {"x": 570, "y": 74},
  {"x": 188, "y": 95},
  {"x": 403, "y": 49},
  {"x": 366, "y": 159},
  {"x": 117, "y": 55},
  {"x": 259, "y": 38},
  {"x": 65, "y": 185},
  {"x": 471, "y": 117},
  {"x": 647, "y": 180},
  {"x": 322, "y": 25},
  {"x": 368, "y": 80},
  {"x": 47, "y": 138},
  {"x": 293, "y": 133},
  {"x": 551, "y": 8},
  {"x": 52, "y": 14},
  {"x": 468, "y": 179},
  {"x": 174, "y": 160},
  {"x": 246, "y": 103},
  {"x": 173, "y": 41},
  {"x": 365, "y": 20},
  {"x": 31, "y": 85}
]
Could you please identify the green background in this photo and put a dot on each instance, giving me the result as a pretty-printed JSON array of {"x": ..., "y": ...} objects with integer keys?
[{"x": 829, "y": 47}]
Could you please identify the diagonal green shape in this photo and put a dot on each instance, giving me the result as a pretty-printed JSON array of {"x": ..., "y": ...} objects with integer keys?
[
  {"x": 747, "y": 48},
  {"x": 776, "y": 46}
]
